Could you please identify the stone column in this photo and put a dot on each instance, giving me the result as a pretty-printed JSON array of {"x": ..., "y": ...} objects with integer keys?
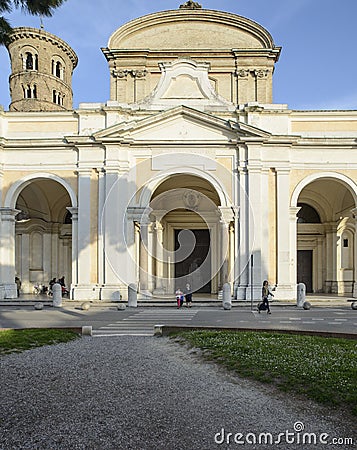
[
  {"x": 151, "y": 230},
  {"x": 283, "y": 232},
  {"x": 261, "y": 78},
  {"x": 55, "y": 248},
  {"x": 119, "y": 86},
  {"x": 115, "y": 254},
  {"x": 143, "y": 257},
  {"x": 101, "y": 225},
  {"x": 159, "y": 254},
  {"x": 74, "y": 212},
  {"x": 331, "y": 249},
  {"x": 293, "y": 211},
  {"x": 236, "y": 237},
  {"x": 139, "y": 83},
  {"x": 225, "y": 217},
  {"x": 84, "y": 237},
  {"x": 242, "y": 88},
  {"x": 256, "y": 224},
  {"x": 354, "y": 215},
  {"x": 7, "y": 251},
  {"x": 24, "y": 249},
  {"x": 242, "y": 278}
]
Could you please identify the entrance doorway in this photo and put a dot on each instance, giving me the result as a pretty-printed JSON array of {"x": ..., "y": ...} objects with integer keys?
[
  {"x": 197, "y": 257},
  {"x": 304, "y": 268}
]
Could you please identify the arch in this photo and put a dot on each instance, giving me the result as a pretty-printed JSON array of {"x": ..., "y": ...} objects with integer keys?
[
  {"x": 58, "y": 67},
  {"x": 29, "y": 55},
  {"x": 238, "y": 29},
  {"x": 346, "y": 181},
  {"x": 15, "y": 189},
  {"x": 155, "y": 182}
]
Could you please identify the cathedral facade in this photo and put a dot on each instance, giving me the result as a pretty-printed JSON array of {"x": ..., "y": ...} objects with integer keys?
[{"x": 188, "y": 174}]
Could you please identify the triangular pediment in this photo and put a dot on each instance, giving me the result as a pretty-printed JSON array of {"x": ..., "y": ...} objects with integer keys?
[{"x": 180, "y": 124}]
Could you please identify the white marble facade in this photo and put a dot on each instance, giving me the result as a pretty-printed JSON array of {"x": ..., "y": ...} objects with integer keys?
[{"x": 189, "y": 173}]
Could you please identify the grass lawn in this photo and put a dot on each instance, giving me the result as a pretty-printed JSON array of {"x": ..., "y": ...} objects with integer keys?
[
  {"x": 323, "y": 369},
  {"x": 12, "y": 341}
]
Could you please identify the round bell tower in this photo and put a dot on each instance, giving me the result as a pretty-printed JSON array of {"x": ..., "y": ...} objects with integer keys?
[{"x": 41, "y": 71}]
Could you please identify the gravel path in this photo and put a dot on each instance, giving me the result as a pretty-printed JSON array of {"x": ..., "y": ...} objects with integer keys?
[{"x": 145, "y": 393}]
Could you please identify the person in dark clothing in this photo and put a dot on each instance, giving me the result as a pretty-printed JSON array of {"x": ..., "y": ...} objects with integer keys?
[
  {"x": 264, "y": 305},
  {"x": 188, "y": 296}
]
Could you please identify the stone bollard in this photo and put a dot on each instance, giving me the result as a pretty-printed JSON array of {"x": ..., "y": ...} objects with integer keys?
[
  {"x": 301, "y": 294},
  {"x": 227, "y": 298},
  {"x": 39, "y": 306},
  {"x": 57, "y": 295},
  {"x": 132, "y": 296},
  {"x": 87, "y": 330},
  {"x": 121, "y": 307},
  {"x": 354, "y": 305},
  {"x": 158, "y": 330}
]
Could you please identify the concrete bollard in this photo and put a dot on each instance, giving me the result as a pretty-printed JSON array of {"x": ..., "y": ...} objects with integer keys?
[
  {"x": 121, "y": 307},
  {"x": 132, "y": 296},
  {"x": 87, "y": 330},
  {"x": 158, "y": 330},
  {"x": 227, "y": 298},
  {"x": 57, "y": 295},
  {"x": 301, "y": 294},
  {"x": 354, "y": 305}
]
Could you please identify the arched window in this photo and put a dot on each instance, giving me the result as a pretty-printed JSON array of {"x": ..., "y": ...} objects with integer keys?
[
  {"x": 307, "y": 214},
  {"x": 30, "y": 90},
  {"x": 30, "y": 61},
  {"x": 57, "y": 97},
  {"x": 57, "y": 69}
]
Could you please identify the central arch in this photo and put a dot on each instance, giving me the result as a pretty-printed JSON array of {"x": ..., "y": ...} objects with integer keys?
[{"x": 185, "y": 212}]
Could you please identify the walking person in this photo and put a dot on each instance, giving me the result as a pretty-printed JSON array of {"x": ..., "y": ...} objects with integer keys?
[
  {"x": 179, "y": 298},
  {"x": 264, "y": 305},
  {"x": 188, "y": 296}
]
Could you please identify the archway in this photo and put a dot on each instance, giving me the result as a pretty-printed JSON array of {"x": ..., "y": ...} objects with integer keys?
[
  {"x": 326, "y": 234},
  {"x": 186, "y": 239},
  {"x": 43, "y": 231}
]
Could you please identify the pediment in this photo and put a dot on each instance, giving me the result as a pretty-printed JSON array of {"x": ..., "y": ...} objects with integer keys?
[
  {"x": 180, "y": 124},
  {"x": 184, "y": 82}
]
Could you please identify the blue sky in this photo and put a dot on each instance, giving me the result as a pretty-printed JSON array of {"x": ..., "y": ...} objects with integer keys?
[{"x": 317, "y": 67}]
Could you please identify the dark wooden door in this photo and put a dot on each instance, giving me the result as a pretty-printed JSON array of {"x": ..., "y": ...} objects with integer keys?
[
  {"x": 304, "y": 268},
  {"x": 196, "y": 256}
]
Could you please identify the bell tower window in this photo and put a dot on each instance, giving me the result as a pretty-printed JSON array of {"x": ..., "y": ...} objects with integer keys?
[
  {"x": 58, "y": 69},
  {"x": 30, "y": 61},
  {"x": 57, "y": 97},
  {"x": 30, "y": 90}
]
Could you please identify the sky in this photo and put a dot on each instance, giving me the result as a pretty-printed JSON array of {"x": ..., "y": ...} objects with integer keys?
[{"x": 317, "y": 68}]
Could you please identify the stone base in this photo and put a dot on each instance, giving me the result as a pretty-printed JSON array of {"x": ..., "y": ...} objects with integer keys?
[
  {"x": 85, "y": 292},
  {"x": 159, "y": 292},
  {"x": 144, "y": 295},
  {"x": 113, "y": 293},
  {"x": 10, "y": 290}
]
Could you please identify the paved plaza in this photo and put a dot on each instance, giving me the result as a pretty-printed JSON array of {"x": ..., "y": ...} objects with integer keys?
[{"x": 107, "y": 320}]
